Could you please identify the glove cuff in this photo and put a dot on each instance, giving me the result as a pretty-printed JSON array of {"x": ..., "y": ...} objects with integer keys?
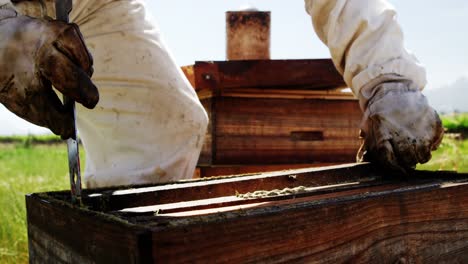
[
  {"x": 7, "y": 10},
  {"x": 384, "y": 84},
  {"x": 373, "y": 93},
  {"x": 36, "y": 9},
  {"x": 5, "y": 4}
]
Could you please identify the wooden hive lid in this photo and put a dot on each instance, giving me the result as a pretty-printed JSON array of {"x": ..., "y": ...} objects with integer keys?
[{"x": 267, "y": 78}]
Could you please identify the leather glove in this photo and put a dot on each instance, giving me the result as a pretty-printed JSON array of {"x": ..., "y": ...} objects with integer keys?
[
  {"x": 36, "y": 54},
  {"x": 399, "y": 128},
  {"x": 35, "y": 8}
]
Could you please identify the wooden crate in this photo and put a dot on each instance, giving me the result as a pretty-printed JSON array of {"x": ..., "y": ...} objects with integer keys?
[
  {"x": 350, "y": 213},
  {"x": 276, "y": 112}
]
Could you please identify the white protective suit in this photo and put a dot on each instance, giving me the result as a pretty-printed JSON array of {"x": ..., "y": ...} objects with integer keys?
[
  {"x": 366, "y": 44},
  {"x": 149, "y": 125},
  {"x": 365, "y": 40}
]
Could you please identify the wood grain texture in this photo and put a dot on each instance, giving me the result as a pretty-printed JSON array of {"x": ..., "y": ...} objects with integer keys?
[
  {"x": 262, "y": 130},
  {"x": 209, "y": 146},
  {"x": 220, "y": 76},
  {"x": 426, "y": 226},
  {"x": 259, "y": 199},
  {"x": 220, "y": 170},
  {"x": 61, "y": 233},
  {"x": 112, "y": 200},
  {"x": 348, "y": 214},
  {"x": 266, "y": 111}
]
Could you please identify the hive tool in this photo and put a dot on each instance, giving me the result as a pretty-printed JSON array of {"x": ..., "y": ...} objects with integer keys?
[{"x": 63, "y": 9}]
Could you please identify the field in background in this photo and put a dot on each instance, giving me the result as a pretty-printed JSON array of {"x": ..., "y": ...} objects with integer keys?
[
  {"x": 25, "y": 168},
  {"x": 452, "y": 155},
  {"x": 456, "y": 123},
  {"x": 39, "y": 163}
]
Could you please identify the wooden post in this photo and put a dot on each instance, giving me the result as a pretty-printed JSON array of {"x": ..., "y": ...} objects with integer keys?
[{"x": 248, "y": 35}]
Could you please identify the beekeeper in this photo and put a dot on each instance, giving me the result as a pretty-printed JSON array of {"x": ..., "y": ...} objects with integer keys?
[{"x": 149, "y": 126}]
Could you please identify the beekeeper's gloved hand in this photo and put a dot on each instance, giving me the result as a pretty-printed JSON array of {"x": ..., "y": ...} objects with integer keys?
[
  {"x": 36, "y": 54},
  {"x": 400, "y": 129}
]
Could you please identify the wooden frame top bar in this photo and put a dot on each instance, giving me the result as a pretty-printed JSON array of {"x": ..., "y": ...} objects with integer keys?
[
  {"x": 305, "y": 74},
  {"x": 331, "y": 179}
]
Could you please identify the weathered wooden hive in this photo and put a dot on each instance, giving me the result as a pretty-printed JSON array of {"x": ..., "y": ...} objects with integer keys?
[
  {"x": 269, "y": 112},
  {"x": 344, "y": 214},
  {"x": 265, "y": 114}
]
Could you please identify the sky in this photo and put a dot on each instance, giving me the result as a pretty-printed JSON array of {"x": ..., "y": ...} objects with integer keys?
[{"x": 195, "y": 30}]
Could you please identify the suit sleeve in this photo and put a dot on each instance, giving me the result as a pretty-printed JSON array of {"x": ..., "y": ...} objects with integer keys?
[
  {"x": 365, "y": 41},
  {"x": 6, "y": 4}
]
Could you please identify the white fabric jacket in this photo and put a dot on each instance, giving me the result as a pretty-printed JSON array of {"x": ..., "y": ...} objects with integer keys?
[
  {"x": 149, "y": 125},
  {"x": 365, "y": 40}
]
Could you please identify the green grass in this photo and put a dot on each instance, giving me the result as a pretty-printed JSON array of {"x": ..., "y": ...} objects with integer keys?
[
  {"x": 456, "y": 123},
  {"x": 24, "y": 169},
  {"x": 451, "y": 155},
  {"x": 31, "y": 139}
]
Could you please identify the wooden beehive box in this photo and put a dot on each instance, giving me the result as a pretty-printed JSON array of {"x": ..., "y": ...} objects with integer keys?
[
  {"x": 344, "y": 214},
  {"x": 276, "y": 112}
]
